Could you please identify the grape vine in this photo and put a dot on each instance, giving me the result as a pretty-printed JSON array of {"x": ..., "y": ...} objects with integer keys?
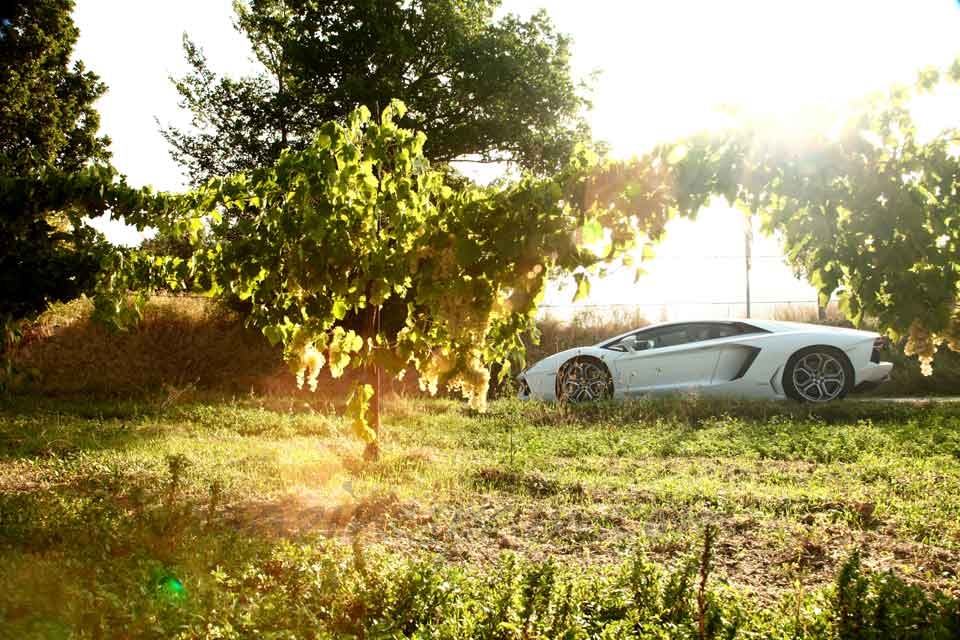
[{"x": 358, "y": 227}]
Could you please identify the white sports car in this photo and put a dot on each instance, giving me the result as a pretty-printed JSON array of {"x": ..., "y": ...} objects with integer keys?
[{"x": 748, "y": 358}]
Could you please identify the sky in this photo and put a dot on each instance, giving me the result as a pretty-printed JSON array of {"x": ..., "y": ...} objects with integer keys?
[{"x": 664, "y": 69}]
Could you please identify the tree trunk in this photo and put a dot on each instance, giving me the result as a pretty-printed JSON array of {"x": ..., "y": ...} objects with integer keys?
[{"x": 372, "y": 452}]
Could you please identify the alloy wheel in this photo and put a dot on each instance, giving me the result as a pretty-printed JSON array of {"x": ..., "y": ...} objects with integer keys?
[
  {"x": 584, "y": 381},
  {"x": 819, "y": 377}
]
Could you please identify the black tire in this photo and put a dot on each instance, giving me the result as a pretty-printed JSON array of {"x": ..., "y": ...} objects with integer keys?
[
  {"x": 584, "y": 379},
  {"x": 818, "y": 374}
]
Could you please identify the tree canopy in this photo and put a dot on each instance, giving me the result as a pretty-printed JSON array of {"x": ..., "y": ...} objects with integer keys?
[
  {"x": 358, "y": 221},
  {"x": 47, "y": 124},
  {"x": 478, "y": 86}
]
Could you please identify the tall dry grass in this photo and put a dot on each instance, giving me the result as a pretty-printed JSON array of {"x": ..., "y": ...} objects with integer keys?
[
  {"x": 584, "y": 328},
  {"x": 810, "y": 313},
  {"x": 182, "y": 341},
  {"x": 189, "y": 343},
  {"x": 186, "y": 342}
]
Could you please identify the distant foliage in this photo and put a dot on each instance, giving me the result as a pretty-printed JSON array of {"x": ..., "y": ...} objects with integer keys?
[
  {"x": 54, "y": 171},
  {"x": 51, "y": 255},
  {"x": 47, "y": 123},
  {"x": 46, "y": 99},
  {"x": 478, "y": 84}
]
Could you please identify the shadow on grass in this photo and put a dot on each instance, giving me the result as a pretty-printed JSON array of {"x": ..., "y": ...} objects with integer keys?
[
  {"x": 533, "y": 483},
  {"x": 36, "y": 426},
  {"x": 56, "y": 434}
]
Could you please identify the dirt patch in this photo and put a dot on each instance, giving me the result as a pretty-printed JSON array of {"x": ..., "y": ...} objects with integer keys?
[
  {"x": 765, "y": 555},
  {"x": 534, "y": 484},
  {"x": 299, "y": 516}
]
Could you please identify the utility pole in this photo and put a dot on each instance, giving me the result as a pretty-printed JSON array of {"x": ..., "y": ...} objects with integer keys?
[{"x": 748, "y": 250}]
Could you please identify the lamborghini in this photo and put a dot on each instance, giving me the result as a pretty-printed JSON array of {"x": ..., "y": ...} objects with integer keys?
[{"x": 747, "y": 358}]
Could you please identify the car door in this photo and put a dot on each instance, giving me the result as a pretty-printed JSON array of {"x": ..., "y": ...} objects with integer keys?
[{"x": 680, "y": 356}]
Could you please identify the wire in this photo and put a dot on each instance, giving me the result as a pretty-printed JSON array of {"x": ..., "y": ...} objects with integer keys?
[
  {"x": 670, "y": 303},
  {"x": 691, "y": 257}
]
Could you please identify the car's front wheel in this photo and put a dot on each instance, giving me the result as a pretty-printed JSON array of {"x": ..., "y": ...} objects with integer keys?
[
  {"x": 818, "y": 374},
  {"x": 584, "y": 380}
]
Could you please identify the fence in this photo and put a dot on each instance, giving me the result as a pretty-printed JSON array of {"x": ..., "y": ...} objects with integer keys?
[{"x": 796, "y": 310}]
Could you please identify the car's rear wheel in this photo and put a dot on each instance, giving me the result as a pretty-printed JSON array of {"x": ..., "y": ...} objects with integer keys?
[
  {"x": 818, "y": 374},
  {"x": 584, "y": 380}
]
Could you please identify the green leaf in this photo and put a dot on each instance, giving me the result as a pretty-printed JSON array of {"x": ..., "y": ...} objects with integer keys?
[
  {"x": 928, "y": 78},
  {"x": 274, "y": 334},
  {"x": 954, "y": 71},
  {"x": 591, "y": 232},
  {"x": 358, "y": 404},
  {"x": 677, "y": 154},
  {"x": 583, "y": 286},
  {"x": 338, "y": 362}
]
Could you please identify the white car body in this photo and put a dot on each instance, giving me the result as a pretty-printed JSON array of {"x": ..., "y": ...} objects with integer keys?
[{"x": 751, "y": 363}]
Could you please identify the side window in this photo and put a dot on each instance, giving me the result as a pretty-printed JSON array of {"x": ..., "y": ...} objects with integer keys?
[
  {"x": 724, "y": 330},
  {"x": 677, "y": 334},
  {"x": 619, "y": 344},
  {"x": 643, "y": 334},
  {"x": 743, "y": 327},
  {"x": 728, "y": 329},
  {"x": 672, "y": 336}
]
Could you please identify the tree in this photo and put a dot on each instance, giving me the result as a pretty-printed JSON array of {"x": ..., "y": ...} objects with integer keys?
[
  {"x": 47, "y": 126},
  {"x": 479, "y": 87},
  {"x": 358, "y": 222}
]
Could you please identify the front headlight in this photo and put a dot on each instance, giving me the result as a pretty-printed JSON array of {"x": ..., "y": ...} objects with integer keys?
[{"x": 524, "y": 387}]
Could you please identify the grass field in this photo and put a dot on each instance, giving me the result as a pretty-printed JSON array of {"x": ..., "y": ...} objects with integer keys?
[{"x": 233, "y": 518}]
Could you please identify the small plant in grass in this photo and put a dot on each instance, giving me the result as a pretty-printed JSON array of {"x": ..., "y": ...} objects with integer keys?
[
  {"x": 177, "y": 465},
  {"x": 216, "y": 497},
  {"x": 881, "y": 605},
  {"x": 705, "y": 620},
  {"x": 12, "y": 375},
  {"x": 175, "y": 515}
]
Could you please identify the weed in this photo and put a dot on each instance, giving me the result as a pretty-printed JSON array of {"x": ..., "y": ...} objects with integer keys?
[{"x": 706, "y": 561}]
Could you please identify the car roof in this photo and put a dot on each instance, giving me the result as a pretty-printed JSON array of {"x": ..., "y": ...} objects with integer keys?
[{"x": 772, "y": 326}]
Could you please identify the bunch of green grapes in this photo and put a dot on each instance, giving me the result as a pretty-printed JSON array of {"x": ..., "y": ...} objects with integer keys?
[
  {"x": 952, "y": 335},
  {"x": 924, "y": 344}
]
